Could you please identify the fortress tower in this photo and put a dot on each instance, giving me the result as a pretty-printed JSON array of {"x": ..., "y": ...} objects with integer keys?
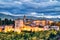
[{"x": 24, "y": 19}]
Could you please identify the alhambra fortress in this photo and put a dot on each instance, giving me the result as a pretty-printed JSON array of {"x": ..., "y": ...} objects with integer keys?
[{"x": 28, "y": 25}]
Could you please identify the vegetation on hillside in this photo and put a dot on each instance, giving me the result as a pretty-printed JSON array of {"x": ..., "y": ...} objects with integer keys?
[{"x": 42, "y": 35}]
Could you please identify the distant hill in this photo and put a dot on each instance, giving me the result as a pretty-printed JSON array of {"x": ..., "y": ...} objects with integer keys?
[{"x": 3, "y": 16}]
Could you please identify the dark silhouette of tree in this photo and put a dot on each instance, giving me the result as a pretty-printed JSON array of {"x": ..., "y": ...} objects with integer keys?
[
  {"x": 6, "y": 21},
  {"x": 0, "y": 21}
]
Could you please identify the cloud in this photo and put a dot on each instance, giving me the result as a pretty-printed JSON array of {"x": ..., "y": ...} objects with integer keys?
[
  {"x": 32, "y": 14},
  {"x": 49, "y": 16},
  {"x": 44, "y": 16},
  {"x": 30, "y": 2},
  {"x": 53, "y": 0},
  {"x": 7, "y": 13},
  {"x": 17, "y": 2},
  {"x": 37, "y": 8}
]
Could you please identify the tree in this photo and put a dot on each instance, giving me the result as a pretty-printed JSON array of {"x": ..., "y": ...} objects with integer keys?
[{"x": 0, "y": 21}]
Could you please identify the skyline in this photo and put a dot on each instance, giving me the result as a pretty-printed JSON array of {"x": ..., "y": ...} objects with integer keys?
[{"x": 35, "y": 8}]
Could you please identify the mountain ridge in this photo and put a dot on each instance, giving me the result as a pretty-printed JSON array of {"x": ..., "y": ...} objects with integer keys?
[{"x": 3, "y": 16}]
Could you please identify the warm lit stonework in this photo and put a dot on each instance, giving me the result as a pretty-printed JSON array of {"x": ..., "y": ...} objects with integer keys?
[
  {"x": 19, "y": 23},
  {"x": 1, "y": 28},
  {"x": 42, "y": 22},
  {"x": 8, "y": 28},
  {"x": 27, "y": 25}
]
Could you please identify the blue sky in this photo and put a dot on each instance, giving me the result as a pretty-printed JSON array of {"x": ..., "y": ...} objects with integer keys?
[{"x": 36, "y": 8}]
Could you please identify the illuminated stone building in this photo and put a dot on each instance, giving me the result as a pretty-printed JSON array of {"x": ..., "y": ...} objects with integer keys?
[
  {"x": 27, "y": 21},
  {"x": 19, "y": 23},
  {"x": 8, "y": 28},
  {"x": 24, "y": 19},
  {"x": 1, "y": 29},
  {"x": 42, "y": 22}
]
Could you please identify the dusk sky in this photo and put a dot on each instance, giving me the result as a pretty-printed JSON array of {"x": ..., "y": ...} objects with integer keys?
[{"x": 36, "y": 8}]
